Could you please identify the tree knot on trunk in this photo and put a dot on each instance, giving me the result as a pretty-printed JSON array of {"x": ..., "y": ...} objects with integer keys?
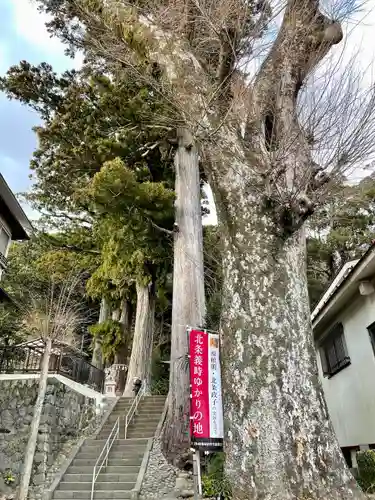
[
  {"x": 316, "y": 179},
  {"x": 290, "y": 215},
  {"x": 333, "y": 33}
]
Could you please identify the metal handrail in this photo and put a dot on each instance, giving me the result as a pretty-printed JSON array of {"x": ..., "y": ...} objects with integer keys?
[
  {"x": 134, "y": 407},
  {"x": 70, "y": 364},
  {"x": 106, "y": 448}
]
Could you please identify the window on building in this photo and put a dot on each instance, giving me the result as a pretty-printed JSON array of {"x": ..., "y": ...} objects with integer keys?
[
  {"x": 4, "y": 241},
  {"x": 350, "y": 456},
  {"x": 371, "y": 331},
  {"x": 334, "y": 354}
]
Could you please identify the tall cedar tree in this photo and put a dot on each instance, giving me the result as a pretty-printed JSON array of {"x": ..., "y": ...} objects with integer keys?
[
  {"x": 342, "y": 230},
  {"x": 92, "y": 124}
]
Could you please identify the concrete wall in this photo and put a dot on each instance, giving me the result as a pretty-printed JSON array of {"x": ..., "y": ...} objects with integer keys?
[
  {"x": 350, "y": 393},
  {"x": 67, "y": 415}
]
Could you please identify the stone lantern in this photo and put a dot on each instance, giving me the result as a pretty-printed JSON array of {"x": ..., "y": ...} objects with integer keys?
[{"x": 112, "y": 376}]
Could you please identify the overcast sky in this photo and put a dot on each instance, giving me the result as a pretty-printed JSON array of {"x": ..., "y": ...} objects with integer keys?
[{"x": 23, "y": 36}]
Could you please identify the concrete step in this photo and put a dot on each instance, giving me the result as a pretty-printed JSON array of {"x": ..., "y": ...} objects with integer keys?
[
  {"x": 108, "y": 486},
  {"x": 104, "y": 477},
  {"x": 152, "y": 424},
  {"x": 140, "y": 435},
  {"x": 141, "y": 423},
  {"x": 121, "y": 454},
  {"x": 125, "y": 458},
  {"x": 114, "y": 453},
  {"x": 147, "y": 416},
  {"x": 128, "y": 444},
  {"x": 144, "y": 415},
  {"x": 141, "y": 418},
  {"x": 134, "y": 434},
  {"x": 147, "y": 428},
  {"x": 105, "y": 433},
  {"x": 110, "y": 469},
  {"x": 101, "y": 442},
  {"x": 130, "y": 449},
  {"x": 131, "y": 460},
  {"x": 98, "y": 495},
  {"x": 132, "y": 425},
  {"x": 144, "y": 402},
  {"x": 119, "y": 412},
  {"x": 145, "y": 398}
]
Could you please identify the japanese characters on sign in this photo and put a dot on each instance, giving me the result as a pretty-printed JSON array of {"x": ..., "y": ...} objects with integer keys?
[
  {"x": 216, "y": 404},
  {"x": 206, "y": 402}
]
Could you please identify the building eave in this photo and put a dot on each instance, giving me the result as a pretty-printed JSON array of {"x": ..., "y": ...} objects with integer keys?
[
  {"x": 4, "y": 297},
  {"x": 21, "y": 226},
  {"x": 345, "y": 291}
]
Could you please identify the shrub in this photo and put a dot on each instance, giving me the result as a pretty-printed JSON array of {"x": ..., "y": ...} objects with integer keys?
[
  {"x": 214, "y": 481},
  {"x": 366, "y": 470},
  {"x": 160, "y": 387},
  {"x": 160, "y": 373},
  {"x": 110, "y": 335}
]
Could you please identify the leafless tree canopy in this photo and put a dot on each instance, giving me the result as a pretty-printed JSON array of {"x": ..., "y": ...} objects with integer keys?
[
  {"x": 255, "y": 67},
  {"x": 56, "y": 316}
]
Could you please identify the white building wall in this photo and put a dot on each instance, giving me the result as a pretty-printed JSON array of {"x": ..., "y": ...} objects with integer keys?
[{"x": 350, "y": 393}]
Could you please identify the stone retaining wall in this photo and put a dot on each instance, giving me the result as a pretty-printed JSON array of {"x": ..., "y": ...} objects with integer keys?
[
  {"x": 160, "y": 477},
  {"x": 67, "y": 415}
]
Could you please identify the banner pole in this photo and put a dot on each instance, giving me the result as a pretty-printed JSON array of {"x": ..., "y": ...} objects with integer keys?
[
  {"x": 200, "y": 492},
  {"x": 195, "y": 475}
]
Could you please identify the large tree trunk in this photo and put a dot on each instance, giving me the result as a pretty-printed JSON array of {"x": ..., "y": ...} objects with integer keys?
[
  {"x": 116, "y": 314},
  {"x": 188, "y": 296},
  {"x": 34, "y": 426},
  {"x": 97, "y": 355},
  {"x": 141, "y": 356},
  {"x": 121, "y": 355},
  {"x": 279, "y": 441}
]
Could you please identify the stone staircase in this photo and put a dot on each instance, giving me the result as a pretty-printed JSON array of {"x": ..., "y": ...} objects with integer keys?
[{"x": 118, "y": 479}]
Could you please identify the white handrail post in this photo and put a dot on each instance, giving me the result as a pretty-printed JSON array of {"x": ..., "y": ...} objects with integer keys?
[
  {"x": 93, "y": 483},
  {"x": 106, "y": 448},
  {"x": 134, "y": 408}
]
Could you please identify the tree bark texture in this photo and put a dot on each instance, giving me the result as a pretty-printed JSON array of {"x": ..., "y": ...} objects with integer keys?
[
  {"x": 34, "y": 426},
  {"x": 188, "y": 308},
  {"x": 116, "y": 314},
  {"x": 141, "y": 356},
  {"x": 97, "y": 355},
  {"x": 279, "y": 441},
  {"x": 121, "y": 356}
]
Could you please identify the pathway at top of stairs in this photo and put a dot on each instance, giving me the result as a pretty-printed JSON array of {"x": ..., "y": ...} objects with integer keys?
[{"x": 117, "y": 480}]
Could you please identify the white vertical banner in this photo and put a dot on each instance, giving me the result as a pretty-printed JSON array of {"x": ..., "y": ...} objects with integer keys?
[{"x": 215, "y": 390}]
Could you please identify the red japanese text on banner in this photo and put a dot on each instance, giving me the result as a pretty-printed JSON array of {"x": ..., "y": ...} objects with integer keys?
[
  {"x": 206, "y": 418},
  {"x": 200, "y": 411}
]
